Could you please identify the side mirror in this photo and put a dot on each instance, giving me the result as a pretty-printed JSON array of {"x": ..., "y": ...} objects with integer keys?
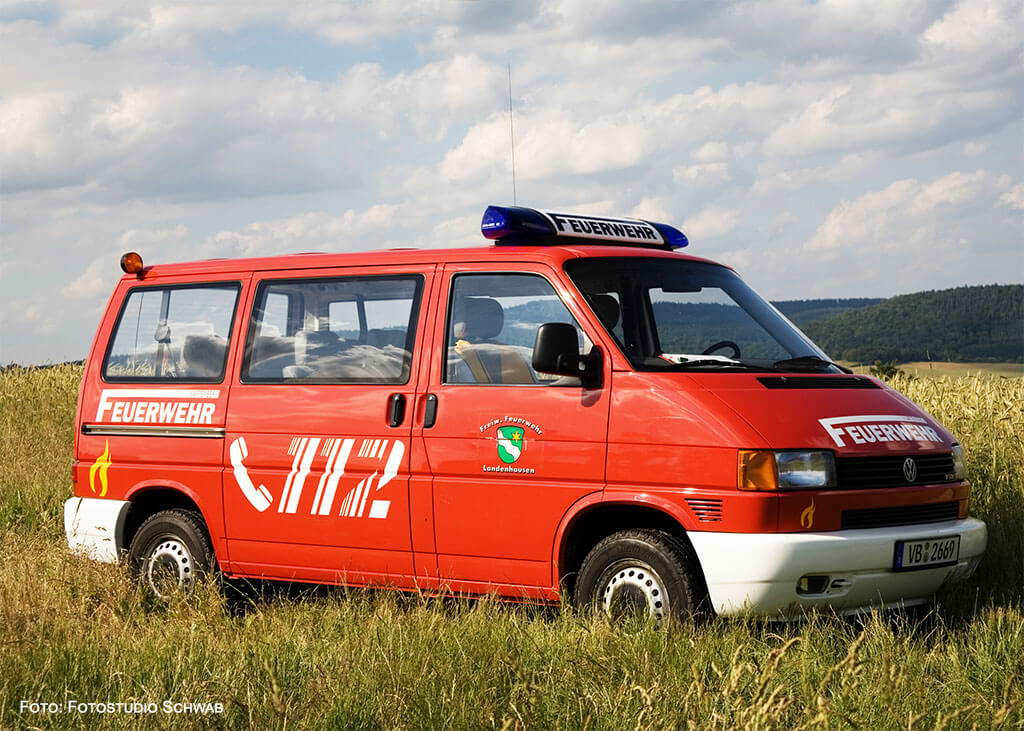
[{"x": 557, "y": 350}]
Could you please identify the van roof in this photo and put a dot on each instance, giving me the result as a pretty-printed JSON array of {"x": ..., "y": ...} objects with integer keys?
[{"x": 552, "y": 255}]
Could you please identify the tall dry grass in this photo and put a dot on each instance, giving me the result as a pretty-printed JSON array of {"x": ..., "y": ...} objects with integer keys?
[
  {"x": 71, "y": 629},
  {"x": 987, "y": 416},
  {"x": 37, "y": 422}
]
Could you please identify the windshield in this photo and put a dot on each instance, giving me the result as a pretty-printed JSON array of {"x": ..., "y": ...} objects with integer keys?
[{"x": 675, "y": 314}]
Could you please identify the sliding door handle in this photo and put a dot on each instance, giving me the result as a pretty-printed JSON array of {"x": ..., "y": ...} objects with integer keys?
[
  {"x": 396, "y": 409},
  {"x": 430, "y": 411}
]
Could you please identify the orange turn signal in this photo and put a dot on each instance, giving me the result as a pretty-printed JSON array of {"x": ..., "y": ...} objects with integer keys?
[
  {"x": 756, "y": 470},
  {"x": 131, "y": 263}
]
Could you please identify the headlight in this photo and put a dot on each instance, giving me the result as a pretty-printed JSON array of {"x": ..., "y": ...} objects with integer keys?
[
  {"x": 764, "y": 470},
  {"x": 959, "y": 463},
  {"x": 804, "y": 470}
]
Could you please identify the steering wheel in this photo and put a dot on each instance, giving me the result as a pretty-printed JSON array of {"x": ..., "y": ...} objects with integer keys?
[{"x": 723, "y": 344}]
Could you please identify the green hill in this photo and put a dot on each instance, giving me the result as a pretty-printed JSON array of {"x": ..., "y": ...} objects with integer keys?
[
  {"x": 984, "y": 323},
  {"x": 803, "y": 312}
]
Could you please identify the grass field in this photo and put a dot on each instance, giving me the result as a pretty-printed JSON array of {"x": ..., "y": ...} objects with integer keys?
[
  {"x": 940, "y": 369},
  {"x": 72, "y": 630}
]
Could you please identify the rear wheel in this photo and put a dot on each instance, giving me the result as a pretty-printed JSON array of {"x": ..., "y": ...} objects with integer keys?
[
  {"x": 642, "y": 572},
  {"x": 171, "y": 552}
]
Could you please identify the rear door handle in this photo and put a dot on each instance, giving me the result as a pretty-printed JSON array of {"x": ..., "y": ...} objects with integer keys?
[
  {"x": 430, "y": 411},
  {"x": 396, "y": 409}
]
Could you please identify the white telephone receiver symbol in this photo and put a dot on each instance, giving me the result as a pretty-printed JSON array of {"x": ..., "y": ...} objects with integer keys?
[{"x": 259, "y": 496}]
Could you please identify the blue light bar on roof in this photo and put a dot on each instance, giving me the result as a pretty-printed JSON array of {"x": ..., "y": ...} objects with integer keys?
[{"x": 507, "y": 225}]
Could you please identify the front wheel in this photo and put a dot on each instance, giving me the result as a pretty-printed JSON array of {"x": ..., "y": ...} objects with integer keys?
[
  {"x": 643, "y": 572},
  {"x": 171, "y": 552}
]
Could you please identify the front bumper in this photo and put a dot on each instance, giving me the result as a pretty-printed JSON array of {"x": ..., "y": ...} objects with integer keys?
[
  {"x": 758, "y": 573},
  {"x": 95, "y": 527}
]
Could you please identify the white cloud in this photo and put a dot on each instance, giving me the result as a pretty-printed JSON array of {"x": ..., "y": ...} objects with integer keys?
[
  {"x": 710, "y": 223},
  {"x": 1014, "y": 198},
  {"x": 775, "y": 175},
  {"x": 978, "y": 30},
  {"x": 135, "y": 238},
  {"x": 739, "y": 259},
  {"x": 100, "y": 275},
  {"x": 653, "y": 209},
  {"x": 312, "y": 231},
  {"x": 31, "y": 312},
  {"x": 711, "y": 164},
  {"x": 482, "y": 152},
  {"x": 711, "y": 152},
  {"x": 139, "y": 124},
  {"x": 710, "y": 171},
  {"x": 902, "y": 112},
  {"x": 549, "y": 145},
  {"x": 973, "y": 149},
  {"x": 357, "y": 22},
  {"x": 906, "y": 214},
  {"x": 453, "y": 232},
  {"x": 178, "y": 130},
  {"x": 97, "y": 279}
]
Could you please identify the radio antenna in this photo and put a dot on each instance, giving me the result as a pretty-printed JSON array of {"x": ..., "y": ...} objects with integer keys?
[{"x": 512, "y": 135}]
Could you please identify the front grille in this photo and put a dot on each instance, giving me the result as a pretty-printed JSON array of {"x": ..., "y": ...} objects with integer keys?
[
  {"x": 707, "y": 510},
  {"x": 902, "y": 515},
  {"x": 859, "y": 473},
  {"x": 799, "y": 382}
]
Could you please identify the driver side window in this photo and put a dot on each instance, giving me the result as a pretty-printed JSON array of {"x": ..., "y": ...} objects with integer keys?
[{"x": 492, "y": 324}]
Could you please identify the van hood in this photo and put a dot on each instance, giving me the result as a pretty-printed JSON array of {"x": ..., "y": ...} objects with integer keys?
[{"x": 853, "y": 415}]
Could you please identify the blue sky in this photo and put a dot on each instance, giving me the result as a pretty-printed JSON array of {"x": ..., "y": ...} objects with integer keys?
[{"x": 824, "y": 149}]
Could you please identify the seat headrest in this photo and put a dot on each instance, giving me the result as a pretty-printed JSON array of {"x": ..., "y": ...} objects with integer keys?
[
  {"x": 607, "y": 309},
  {"x": 478, "y": 318},
  {"x": 310, "y": 344},
  {"x": 204, "y": 354}
]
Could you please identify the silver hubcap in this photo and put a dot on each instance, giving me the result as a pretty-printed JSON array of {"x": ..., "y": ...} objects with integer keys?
[
  {"x": 632, "y": 587},
  {"x": 169, "y": 569}
]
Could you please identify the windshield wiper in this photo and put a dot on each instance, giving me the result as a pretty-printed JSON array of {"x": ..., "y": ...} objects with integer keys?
[
  {"x": 709, "y": 362},
  {"x": 804, "y": 362}
]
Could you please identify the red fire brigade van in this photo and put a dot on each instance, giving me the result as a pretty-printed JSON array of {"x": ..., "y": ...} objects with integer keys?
[{"x": 578, "y": 410}]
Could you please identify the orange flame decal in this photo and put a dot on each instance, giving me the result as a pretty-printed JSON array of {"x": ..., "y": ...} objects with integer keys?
[
  {"x": 807, "y": 517},
  {"x": 101, "y": 465}
]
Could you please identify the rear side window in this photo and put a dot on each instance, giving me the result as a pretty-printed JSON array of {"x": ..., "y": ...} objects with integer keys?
[
  {"x": 172, "y": 334},
  {"x": 355, "y": 329}
]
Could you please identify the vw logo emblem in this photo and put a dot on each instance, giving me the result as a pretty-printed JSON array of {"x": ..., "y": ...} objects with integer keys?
[{"x": 910, "y": 469}]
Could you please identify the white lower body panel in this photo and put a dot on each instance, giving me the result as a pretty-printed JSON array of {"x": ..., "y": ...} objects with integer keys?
[
  {"x": 759, "y": 573},
  {"x": 94, "y": 527}
]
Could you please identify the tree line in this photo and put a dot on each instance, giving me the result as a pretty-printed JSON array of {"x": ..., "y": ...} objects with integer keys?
[{"x": 965, "y": 324}]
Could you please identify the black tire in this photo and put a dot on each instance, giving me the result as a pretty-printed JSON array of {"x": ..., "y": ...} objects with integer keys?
[
  {"x": 171, "y": 553},
  {"x": 641, "y": 571}
]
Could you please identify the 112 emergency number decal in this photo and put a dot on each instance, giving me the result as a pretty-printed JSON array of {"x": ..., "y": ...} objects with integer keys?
[{"x": 335, "y": 452}]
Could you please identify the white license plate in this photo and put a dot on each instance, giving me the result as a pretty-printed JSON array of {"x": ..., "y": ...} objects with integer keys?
[{"x": 926, "y": 553}]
